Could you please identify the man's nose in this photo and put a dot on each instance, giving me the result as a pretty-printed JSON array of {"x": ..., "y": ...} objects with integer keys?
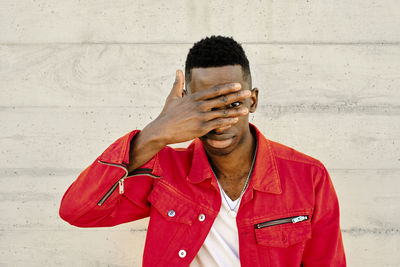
[{"x": 221, "y": 129}]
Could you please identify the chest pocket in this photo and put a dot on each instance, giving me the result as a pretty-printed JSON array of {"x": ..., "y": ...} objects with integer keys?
[
  {"x": 173, "y": 206},
  {"x": 283, "y": 232}
]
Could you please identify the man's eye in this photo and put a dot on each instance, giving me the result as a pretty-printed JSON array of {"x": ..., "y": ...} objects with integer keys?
[{"x": 234, "y": 104}]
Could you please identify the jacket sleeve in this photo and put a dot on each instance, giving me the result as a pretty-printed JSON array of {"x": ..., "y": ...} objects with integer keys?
[
  {"x": 325, "y": 248},
  {"x": 96, "y": 198}
]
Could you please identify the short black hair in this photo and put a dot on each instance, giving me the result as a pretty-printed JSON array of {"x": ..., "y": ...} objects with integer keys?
[{"x": 216, "y": 51}]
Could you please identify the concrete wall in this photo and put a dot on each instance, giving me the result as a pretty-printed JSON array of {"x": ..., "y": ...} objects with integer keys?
[{"x": 76, "y": 75}]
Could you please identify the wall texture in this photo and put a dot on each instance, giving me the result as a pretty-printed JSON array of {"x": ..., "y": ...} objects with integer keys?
[{"x": 76, "y": 75}]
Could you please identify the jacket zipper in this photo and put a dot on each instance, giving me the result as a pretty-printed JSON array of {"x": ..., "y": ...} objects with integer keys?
[
  {"x": 294, "y": 219},
  {"x": 120, "y": 182}
]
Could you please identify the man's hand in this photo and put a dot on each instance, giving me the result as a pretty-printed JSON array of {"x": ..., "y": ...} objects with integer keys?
[{"x": 184, "y": 118}]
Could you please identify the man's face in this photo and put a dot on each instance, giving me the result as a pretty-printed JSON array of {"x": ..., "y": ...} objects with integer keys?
[{"x": 223, "y": 141}]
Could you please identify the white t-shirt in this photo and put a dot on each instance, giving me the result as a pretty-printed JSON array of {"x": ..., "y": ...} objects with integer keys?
[{"x": 221, "y": 247}]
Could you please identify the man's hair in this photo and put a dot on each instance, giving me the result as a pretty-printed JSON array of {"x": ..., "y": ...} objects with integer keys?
[{"x": 216, "y": 51}]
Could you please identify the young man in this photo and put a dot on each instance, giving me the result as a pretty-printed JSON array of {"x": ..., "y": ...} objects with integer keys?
[{"x": 232, "y": 198}]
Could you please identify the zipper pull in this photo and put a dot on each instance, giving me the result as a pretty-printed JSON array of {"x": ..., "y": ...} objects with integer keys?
[
  {"x": 121, "y": 186},
  {"x": 299, "y": 219}
]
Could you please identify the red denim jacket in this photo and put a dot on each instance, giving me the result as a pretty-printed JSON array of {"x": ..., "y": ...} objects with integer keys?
[{"x": 288, "y": 216}]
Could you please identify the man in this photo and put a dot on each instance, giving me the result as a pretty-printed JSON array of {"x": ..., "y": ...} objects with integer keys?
[{"x": 232, "y": 198}]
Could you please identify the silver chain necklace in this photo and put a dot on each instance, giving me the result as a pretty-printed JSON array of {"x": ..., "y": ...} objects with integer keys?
[{"x": 232, "y": 211}]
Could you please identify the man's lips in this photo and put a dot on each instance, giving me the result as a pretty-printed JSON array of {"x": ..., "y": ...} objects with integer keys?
[
  {"x": 218, "y": 137},
  {"x": 220, "y": 141}
]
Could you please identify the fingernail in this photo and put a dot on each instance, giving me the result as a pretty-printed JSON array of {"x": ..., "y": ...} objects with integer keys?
[
  {"x": 236, "y": 85},
  {"x": 246, "y": 93},
  {"x": 243, "y": 110}
]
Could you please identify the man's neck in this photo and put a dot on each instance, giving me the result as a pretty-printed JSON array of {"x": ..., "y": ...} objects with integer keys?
[{"x": 236, "y": 165}]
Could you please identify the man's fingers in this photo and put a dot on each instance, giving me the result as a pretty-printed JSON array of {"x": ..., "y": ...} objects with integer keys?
[
  {"x": 226, "y": 113},
  {"x": 177, "y": 88},
  {"x": 225, "y": 100},
  {"x": 217, "y": 91},
  {"x": 221, "y": 123},
  {"x": 221, "y": 129}
]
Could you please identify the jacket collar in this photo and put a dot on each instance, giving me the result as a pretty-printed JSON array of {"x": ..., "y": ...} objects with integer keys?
[{"x": 265, "y": 176}]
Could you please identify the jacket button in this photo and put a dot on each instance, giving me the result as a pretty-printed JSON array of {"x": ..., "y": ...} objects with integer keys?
[
  {"x": 182, "y": 253},
  {"x": 171, "y": 213},
  {"x": 202, "y": 217}
]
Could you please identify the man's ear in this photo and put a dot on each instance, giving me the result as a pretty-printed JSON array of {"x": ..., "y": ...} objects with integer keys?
[
  {"x": 184, "y": 92},
  {"x": 253, "y": 100}
]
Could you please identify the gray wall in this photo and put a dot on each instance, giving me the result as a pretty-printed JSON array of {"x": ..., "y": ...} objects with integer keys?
[{"x": 76, "y": 75}]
